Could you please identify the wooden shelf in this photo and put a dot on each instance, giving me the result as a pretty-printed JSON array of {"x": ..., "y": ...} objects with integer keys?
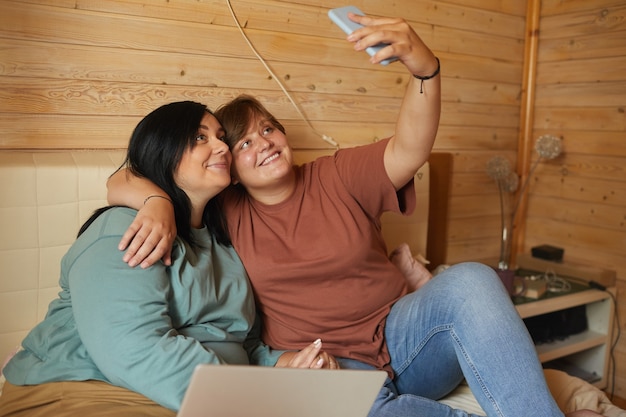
[
  {"x": 572, "y": 344},
  {"x": 588, "y": 350},
  {"x": 549, "y": 305}
]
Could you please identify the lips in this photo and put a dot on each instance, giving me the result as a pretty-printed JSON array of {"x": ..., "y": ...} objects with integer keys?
[
  {"x": 270, "y": 158},
  {"x": 219, "y": 164}
]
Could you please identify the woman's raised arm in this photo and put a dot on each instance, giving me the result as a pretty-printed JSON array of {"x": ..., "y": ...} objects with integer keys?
[{"x": 418, "y": 119}]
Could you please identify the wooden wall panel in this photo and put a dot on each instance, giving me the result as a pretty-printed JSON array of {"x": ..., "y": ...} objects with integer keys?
[
  {"x": 123, "y": 58},
  {"x": 577, "y": 201},
  {"x": 80, "y": 73}
]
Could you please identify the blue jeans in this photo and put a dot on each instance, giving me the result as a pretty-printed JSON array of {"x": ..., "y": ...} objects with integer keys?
[{"x": 461, "y": 324}]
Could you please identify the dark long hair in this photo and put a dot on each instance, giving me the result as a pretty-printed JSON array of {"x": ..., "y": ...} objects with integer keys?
[{"x": 154, "y": 152}]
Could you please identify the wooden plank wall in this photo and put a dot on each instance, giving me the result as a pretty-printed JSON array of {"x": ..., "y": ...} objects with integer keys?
[
  {"x": 81, "y": 73},
  {"x": 578, "y": 201}
]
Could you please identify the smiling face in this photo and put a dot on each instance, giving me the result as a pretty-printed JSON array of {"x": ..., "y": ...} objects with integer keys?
[
  {"x": 204, "y": 169},
  {"x": 262, "y": 159}
]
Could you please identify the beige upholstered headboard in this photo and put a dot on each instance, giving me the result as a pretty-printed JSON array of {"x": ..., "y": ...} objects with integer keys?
[{"x": 46, "y": 196}]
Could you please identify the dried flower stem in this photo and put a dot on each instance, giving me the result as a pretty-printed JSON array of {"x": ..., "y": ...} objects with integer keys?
[
  {"x": 522, "y": 190},
  {"x": 505, "y": 247}
]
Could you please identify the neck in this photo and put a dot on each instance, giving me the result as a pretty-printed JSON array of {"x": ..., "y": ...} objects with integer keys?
[
  {"x": 197, "y": 213},
  {"x": 275, "y": 193},
  {"x": 196, "y": 221}
]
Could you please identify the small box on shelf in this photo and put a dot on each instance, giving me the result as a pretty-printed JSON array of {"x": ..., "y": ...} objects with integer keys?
[
  {"x": 529, "y": 287},
  {"x": 547, "y": 252}
]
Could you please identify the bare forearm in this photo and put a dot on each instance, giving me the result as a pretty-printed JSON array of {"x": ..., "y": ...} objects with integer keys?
[
  {"x": 126, "y": 189},
  {"x": 416, "y": 130}
]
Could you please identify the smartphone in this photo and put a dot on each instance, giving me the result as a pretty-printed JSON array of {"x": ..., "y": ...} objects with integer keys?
[{"x": 339, "y": 16}]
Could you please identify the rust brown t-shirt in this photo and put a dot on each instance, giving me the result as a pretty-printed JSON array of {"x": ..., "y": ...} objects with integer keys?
[{"x": 317, "y": 261}]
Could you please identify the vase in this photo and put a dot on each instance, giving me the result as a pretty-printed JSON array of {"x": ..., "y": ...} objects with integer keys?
[
  {"x": 505, "y": 243},
  {"x": 506, "y": 274}
]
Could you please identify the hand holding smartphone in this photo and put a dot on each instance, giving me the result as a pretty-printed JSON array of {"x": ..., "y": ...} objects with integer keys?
[{"x": 339, "y": 16}]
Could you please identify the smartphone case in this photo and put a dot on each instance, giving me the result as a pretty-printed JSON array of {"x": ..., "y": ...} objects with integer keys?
[{"x": 339, "y": 16}]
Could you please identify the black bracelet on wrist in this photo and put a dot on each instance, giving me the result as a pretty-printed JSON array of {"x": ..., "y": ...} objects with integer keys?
[{"x": 428, "y": 77}]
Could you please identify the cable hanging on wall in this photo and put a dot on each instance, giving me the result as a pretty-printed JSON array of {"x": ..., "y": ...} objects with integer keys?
[{"x": 326, "y": 138}]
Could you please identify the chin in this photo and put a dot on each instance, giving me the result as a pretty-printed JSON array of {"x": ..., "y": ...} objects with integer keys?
[{"x": 221, "y": 181}]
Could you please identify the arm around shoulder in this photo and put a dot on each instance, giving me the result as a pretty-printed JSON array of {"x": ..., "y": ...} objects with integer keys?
[{"x": 151, "y": 235}]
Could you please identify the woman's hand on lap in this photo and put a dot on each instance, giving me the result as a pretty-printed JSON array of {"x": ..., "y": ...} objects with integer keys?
[{"x": 311, "y": 357}]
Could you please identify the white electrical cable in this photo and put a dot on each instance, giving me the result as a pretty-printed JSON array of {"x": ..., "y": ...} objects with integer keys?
[
  {"x": 556, "y": 283},
  {"x": 326, "y": 138}
]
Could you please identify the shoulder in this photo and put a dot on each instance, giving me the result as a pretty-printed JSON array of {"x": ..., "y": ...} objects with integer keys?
[
  {"x": 97, "y": 247},
  {"x": 361, "y": 163},
  {"x": 358, "y": 161},
  {"x": 108, "y": 221},
  {"x": 363, "y": 154}
]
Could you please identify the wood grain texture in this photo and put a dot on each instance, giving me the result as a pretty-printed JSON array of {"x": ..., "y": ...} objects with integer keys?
[{"x": 577, "y": 201}]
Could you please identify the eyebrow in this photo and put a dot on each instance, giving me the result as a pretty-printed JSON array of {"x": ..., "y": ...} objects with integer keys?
[{"x": 205, "y": 127}]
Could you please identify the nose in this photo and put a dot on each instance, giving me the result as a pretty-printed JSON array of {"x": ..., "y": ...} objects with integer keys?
[
  {"x": 220, "y": 146},
  {"x": 264, "y": 143}
]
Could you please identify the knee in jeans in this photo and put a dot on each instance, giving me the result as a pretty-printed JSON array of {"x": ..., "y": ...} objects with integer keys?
[{"x": 472, "y": 276}]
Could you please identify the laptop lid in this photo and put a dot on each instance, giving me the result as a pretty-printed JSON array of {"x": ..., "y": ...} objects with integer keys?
[{"x": 261, "y": 391}]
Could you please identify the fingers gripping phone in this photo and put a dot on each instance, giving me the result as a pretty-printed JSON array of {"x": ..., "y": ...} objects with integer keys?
[{"x": 339, "y": 16}]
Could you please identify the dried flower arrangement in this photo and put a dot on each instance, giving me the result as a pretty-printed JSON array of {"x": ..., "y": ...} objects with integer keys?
[{"x": 498, "y": 168}]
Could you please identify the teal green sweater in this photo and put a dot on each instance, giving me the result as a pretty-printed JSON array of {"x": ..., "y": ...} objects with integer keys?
[{"x": 142, "y": 329}]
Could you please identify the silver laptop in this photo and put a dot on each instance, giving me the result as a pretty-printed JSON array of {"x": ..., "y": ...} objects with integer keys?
[{"x": 261, "y": 391}]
